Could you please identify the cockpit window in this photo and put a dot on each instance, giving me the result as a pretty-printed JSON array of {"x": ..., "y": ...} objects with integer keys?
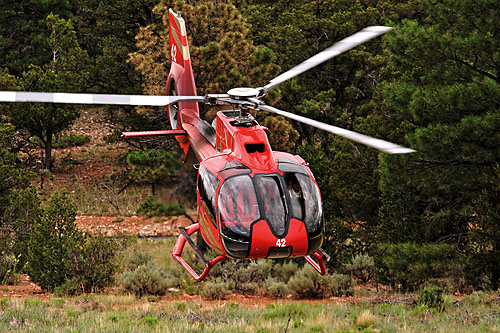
[
  {"x": 271, "y": 193},
  {"x": 207, "y": 185},
  {"x": 237, "y": 204},
  {"x": 305, "y": 200}
]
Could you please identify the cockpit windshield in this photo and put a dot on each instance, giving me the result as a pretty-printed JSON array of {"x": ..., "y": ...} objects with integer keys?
[
  {"x": 238, "y": 206},
  {"x": 243, "y": 200}
]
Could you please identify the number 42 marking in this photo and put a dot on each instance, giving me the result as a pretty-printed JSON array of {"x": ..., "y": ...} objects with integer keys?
[{"x": 281, "y": 242}]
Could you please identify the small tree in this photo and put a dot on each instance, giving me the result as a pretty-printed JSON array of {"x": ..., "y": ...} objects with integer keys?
[
  {"x": 151, "y": 166},
  {"x": 19, "y": 205},
  {"x": 62, "y": 73},
  {"x": 54, "y": 241}
]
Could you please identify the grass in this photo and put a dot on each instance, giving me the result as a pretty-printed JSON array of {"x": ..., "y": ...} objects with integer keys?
[
  {"x": 126, "y": 314},
  {"x": 177, "y": 312}
]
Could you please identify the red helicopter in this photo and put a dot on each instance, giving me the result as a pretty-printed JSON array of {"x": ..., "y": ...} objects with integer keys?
[{"x": 253, "y": 202}]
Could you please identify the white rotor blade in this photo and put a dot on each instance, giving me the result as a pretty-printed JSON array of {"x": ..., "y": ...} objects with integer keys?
[
  {"x": 21, "y": 96},
  {"x": 382, "y": 145},
  {"x": 333, "y": 51}
]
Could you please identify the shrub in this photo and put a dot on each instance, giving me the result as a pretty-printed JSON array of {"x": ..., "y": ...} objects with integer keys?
[
  {"x": 408, "y": 265},
  {"x": 54, "y": 241},
  {"x": 72, "y": 140},
  {"x": 215, "y": 290},
  {"x": 95, "y": 265},
  {"x": 58, "y": 253},
  {"x": 366, "y": 319},
  {"x": 9, "y": 268},
  {"x": 307, "y": 283},
  {"x": 339, "y": 285},
  {"x": 134, "y": 258},
  {"x": 362, "y": 267},
  {"x": 152, "y": 207},
  {"x": 69, "y": 288},
  {"x": 432, "y": 297},
  {"x": 283, "y": 272},
  {"x": 144, "y": 280},
  {"x": 276, "y": 289}
]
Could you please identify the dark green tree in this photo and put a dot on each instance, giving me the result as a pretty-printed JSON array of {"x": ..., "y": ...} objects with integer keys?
[
  {"x": 442, "y": 91},
  {"x": 54, "y": 242},
  {"x": 64, "y": 72},
  {"x": 24, "y": 38},
  {"x": 19, "y": 205},
  {"x": 107, "y": 30},
  {"x": 442, "y": 88},
  {"x": 152, "y": 166}
]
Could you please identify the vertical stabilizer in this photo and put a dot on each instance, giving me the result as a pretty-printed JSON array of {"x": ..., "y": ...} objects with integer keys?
[{"x": 179, "y": 51}]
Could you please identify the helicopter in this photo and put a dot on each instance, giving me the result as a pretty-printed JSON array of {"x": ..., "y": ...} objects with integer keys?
[{"x": 252, "y": 202}]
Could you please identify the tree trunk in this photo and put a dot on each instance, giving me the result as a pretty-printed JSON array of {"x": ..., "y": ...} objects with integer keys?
[{"x": 48, "y": 151}]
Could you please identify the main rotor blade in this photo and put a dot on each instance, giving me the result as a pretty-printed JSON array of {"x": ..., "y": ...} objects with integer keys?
[
  {"x": 382, "y": 145},
  {"x": 74, "y": 98},
  {"x": 340, "y": 47}
]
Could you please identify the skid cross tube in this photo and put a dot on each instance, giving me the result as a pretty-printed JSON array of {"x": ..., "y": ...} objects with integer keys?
[{"x": 179, "y": 246}]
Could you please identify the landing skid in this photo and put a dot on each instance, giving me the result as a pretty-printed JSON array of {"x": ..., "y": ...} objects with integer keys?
[
  {"x": 179, "y": 246},
  {"x": 317, "y": 260}
]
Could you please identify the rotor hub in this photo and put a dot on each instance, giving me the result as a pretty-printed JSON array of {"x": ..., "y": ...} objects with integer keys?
[{"x": 243, "y": 93}]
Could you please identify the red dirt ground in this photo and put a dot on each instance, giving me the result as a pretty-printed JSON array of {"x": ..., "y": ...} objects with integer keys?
[{"x": 132, "y": 225}]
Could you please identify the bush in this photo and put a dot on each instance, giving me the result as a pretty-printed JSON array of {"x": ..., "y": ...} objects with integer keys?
[
  {"x": 54, "y": 242},
  {"x": 307, "y": 283},
  {"x": 432, "y": 297},
  {"x": 134, "y": 258},
  {"x": 95, "y": 265},
  {"x": 339, "y": 285},
  {"x": 283, "y": 272},
  {"x": 276, "y": 289},
  {"x": 407, "y": 266},
  {"x": 144, "y": 280},
  {"x": 215, "y": 290},
  {"x": 69, "y": 288},
  {"x": 362, "y": 267},
  {"x": 151, "y": 208},
  {"x": 9, "y": 268},
  {"x": 59, "y": 253},
  {"x": 72, "y": 140}
]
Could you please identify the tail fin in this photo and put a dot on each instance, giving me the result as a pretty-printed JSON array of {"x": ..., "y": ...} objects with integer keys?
[
  {"x": 180, "y": 79},
  {"x": 179, "y": 51}
]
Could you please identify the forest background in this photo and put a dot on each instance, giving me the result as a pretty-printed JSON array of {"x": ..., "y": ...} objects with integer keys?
[{"x": 431, "y": 84}]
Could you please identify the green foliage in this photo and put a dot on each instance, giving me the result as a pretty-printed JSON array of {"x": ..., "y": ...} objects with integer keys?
[
  {"x": 144, "y": 280},
  {"x": 276, "y": 289},
  {"x": 284, "y": 271},
  {"x": 152, "y": 207},
  {"x": 54, "y": 243},
  {"x": 19, "y": 205},
  {"x": 339, "y": 285},
  {"x": 215, "y": 290},
  {"x": 9, "y": 268},
  {"x": 442, "y": 89},
  {"x": 62, "y": 73},
  {"x": 95, "y": 265},
  {"x": 72, "y": 140},
  {"x": 431, "y": 297},
  {"x": 24, "y": 38},
  {"x": 61, "y": 255},
  {"x": 362, "y": 266},
  {"x": 152, "y": 166},
  {"x": 69, "y": 288},
  {"x": 307, "y": 283},
  {"x": 407, "y": 266}
]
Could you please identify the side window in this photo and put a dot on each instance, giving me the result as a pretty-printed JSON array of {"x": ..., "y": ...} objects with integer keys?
[{"x": 207, "y": 185}]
